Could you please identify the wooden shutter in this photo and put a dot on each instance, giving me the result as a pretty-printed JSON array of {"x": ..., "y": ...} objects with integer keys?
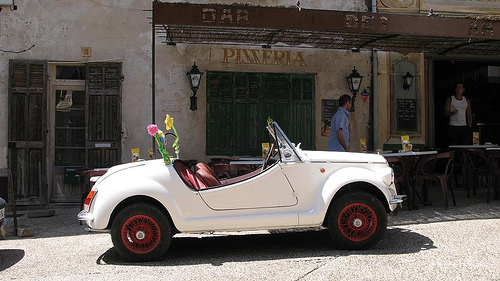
[
  {"x": 238, "y": 105},
  {"x": 302, "y": 127},
  {"x": 103, "y": 115},
  {"x": 219, "y": 113},
  {"x": 246, "y": 116},
  {"x": 27, "y": 128}
]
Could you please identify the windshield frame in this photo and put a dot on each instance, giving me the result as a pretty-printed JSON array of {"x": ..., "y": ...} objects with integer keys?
[{"x": 287, "y": 151}]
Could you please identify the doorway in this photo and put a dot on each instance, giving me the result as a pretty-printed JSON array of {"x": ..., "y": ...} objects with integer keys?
[
  {"x": 68, "y": 109},
  {"x": 481, "y": 80},
  {"x": 85, "y": 124}
]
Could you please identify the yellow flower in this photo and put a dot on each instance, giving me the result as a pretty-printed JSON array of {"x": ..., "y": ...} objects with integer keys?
[{"x": 169, "y": 122}]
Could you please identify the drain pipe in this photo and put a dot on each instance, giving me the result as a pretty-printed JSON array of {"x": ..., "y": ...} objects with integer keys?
[{"x": 374, "y": 93}]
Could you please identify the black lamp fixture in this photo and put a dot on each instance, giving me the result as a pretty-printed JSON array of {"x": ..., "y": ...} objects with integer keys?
[
  {"x": 354, "y": 82},
  {"x": 407, "y": 81},
  {"x": 194, "y": 81}
]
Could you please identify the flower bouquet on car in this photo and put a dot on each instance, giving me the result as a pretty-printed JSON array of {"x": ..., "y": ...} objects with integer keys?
[{"x": 159, "y": 136}]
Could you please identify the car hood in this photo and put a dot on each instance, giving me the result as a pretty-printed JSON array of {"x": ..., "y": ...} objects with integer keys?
[{"x": 342, "y": 157}]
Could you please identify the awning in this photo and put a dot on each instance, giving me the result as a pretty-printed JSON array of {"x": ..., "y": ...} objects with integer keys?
[{"x": 326, "y": 29}]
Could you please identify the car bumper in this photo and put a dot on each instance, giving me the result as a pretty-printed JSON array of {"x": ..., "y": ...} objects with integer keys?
[
  {"x": 88, "y": 217},
  {"x": 396, "y": 201}
]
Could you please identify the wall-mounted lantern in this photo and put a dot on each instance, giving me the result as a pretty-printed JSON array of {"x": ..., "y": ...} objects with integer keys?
[
  {"x": 194, "y": 81},
  {"x": 354, "y": 82},
  {"x": 407, "y": 81}
]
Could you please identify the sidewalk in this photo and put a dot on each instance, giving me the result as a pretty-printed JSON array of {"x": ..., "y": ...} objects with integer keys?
[{"x": 471, "y": 208}]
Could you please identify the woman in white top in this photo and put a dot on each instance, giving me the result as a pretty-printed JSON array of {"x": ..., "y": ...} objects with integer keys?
[{"x": 457, "y": 107}]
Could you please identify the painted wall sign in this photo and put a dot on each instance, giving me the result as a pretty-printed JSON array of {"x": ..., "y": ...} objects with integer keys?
[
  {"x": 262, "y": 57},
  {"x": 366, "y": 22},
  {"x": 180, "y": 17},
  {"x": 227, "y": 15}
]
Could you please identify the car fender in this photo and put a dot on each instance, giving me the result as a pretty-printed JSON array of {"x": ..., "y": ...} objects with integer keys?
[
  {"x": 344, "y": 176},
  {"x": 115, "y": 190}
]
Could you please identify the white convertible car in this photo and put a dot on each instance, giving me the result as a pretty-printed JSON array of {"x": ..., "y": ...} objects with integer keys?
[{"x": 144, "y": 204}]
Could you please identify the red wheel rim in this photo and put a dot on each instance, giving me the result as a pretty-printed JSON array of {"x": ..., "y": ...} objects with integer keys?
[
  {"x": 357, "y": 222},
  {"x": 141, "y": 234}
]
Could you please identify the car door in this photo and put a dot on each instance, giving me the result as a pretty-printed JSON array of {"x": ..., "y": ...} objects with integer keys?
[{"x": 269, "y": 189}]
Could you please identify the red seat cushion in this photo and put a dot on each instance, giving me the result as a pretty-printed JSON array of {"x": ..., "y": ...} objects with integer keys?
[
  {"x": 187, "y": 175},
  {"x": 206, "y": 175}
]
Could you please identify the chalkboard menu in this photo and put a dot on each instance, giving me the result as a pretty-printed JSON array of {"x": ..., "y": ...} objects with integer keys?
[
  {"x": 328, "y": 109},
  {"x": 407, "y": 114}
]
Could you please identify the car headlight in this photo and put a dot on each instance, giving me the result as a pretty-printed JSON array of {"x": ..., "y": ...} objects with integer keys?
[
  {"x": 392, "y": 176},
  {"x": 388, "y": 178}
]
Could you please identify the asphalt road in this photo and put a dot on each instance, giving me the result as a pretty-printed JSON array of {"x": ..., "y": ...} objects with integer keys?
[{"x": 462, "y": 243}]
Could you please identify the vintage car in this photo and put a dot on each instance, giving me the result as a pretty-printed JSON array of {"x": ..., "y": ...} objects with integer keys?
[{"x": 144, "y": 204}]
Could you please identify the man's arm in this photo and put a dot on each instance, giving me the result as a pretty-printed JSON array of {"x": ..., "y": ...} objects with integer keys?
[
  {"x": 341, "y": 139},
  {"x": 447, "y": 106}
]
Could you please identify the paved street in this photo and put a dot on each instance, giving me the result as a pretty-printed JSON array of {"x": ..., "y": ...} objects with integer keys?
[{"x": 462, "y": 243}]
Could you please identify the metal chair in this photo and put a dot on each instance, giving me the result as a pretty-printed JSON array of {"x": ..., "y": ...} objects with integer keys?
[
  {"x": 478, "y": 166},
  {"x": 494, "y": 160},
  {"x": 437, "y": 167}
]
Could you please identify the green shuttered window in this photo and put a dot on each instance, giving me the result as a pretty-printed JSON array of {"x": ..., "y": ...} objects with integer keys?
[{"x": 238, "y": 105}]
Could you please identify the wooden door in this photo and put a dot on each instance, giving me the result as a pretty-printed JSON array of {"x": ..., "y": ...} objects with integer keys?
[
  {"x": 27, "y": 129},
  {"x": 103, "y": 115}
]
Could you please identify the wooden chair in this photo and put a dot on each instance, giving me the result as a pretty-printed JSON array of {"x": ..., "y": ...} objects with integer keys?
[
  {"x": 494, "y": 160},
  {"x": 437, "y": 167},
  {"x": 402, "y": 179}
]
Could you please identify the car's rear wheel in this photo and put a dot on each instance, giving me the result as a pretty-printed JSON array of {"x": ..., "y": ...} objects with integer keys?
[
  {"x": 356, "y": 221},
  {"x": 141, "y": 232}
]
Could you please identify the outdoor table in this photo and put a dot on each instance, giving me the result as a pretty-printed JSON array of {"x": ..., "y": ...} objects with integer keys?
[
  {"x": 409, "y": 153},
  {"x": 465, "y": 146},
  {"x": 493, "y": 148},
  {"x": 410, "y": 160}
]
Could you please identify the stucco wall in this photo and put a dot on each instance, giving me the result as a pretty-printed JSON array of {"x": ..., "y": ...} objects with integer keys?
[
  {"x": 330, "y": 66},
  {"x": 56, "y": 31},
  {"x": 119, "y": 30}
]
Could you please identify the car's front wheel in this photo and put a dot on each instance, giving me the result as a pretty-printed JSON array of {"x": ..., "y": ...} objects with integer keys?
[
  {"x": 141, "y": 232},
  {"x": 356, "y": 221}
]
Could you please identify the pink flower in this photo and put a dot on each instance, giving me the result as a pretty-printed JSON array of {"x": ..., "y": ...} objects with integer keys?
[{"x": 152, "y": 129}]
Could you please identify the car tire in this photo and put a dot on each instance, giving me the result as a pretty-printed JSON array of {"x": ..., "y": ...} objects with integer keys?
[
  {"x": 141, "y": 232},
  {"x": 356, "y": 221}
]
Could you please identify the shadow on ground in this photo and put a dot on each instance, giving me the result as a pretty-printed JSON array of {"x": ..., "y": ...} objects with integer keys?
[
  {"x": 217, "y": 250},
  {"x": 9, "y": 257},
  {"x": 65, "y": 223}
]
